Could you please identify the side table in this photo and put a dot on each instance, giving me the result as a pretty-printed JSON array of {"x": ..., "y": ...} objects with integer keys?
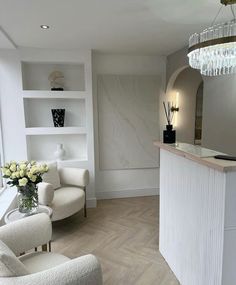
[{"x": 15, "y": 215}]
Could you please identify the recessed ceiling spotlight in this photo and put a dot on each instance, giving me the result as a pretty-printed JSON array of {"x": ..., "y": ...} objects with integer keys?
[{"x": 44, "y": 27}]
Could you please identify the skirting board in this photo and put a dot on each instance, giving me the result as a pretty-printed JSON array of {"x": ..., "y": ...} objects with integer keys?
[
  {"x": 127, "y": 193},
  {"x": 91, "y": 203}
]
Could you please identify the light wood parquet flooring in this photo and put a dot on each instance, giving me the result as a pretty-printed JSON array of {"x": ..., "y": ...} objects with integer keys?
[{"x": 123, "y": 234}]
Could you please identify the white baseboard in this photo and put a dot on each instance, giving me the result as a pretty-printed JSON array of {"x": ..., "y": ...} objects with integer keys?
[
  {"x": 91, "y": 203},
  {"x": 127, "y": 193}
]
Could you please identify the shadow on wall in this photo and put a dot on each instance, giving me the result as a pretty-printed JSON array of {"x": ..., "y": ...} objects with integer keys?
[{"x": 186, "y": 81}]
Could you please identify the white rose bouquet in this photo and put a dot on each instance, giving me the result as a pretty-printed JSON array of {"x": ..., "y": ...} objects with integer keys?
[
  {"x": 25, "y": 176},
  {"x": 25, "y": 172}
]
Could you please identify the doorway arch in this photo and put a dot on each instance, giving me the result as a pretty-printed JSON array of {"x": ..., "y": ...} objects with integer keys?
[{"x": 186, "y": 82}]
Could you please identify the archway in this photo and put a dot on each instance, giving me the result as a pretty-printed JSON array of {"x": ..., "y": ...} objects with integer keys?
[{"x": 186, "y": 82}]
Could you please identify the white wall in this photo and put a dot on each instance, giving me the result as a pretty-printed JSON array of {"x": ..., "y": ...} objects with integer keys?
[
  {"x": 176, "y": 62},
  {"x": 219, "y": 113},
  {"x": 129, "y": 182},
  {"x": 12, "y": 112}
]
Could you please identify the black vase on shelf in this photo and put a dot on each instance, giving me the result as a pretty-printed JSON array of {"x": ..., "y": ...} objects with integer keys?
[
  {"x": 58, "y": 116},
  {"x": 169, "y": 134}
]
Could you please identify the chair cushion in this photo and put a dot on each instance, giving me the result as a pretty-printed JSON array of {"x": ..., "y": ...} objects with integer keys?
[
  {"x": 39, "y": 261},
  {"x": 52, "y": 176},
  {"x": 66, "y": 202},
  {"x": 10, "y": 265}
]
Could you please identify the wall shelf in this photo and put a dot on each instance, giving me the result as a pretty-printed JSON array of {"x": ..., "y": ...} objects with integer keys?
[
  {"x": 42, "y": 147},
  {"x": 37, "y": 94},
  {"x": 55, "y": 131},
  {"x": 35, "y": 75}
]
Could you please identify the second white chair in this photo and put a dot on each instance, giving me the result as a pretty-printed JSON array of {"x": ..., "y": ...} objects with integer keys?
[{"x": 64, "y": 190}]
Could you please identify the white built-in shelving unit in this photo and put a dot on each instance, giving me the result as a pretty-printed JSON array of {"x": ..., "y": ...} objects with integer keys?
[
  {"x": 42, "y": 136},
  {"x": 77, "y": 134}
]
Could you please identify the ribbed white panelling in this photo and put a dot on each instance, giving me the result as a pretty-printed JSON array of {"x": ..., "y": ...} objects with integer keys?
[
  {"x": 192, "y": 199},
  {"x": 229, "y": 260}
]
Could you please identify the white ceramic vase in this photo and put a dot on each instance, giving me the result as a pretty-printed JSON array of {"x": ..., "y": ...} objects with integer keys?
[{"x": 60, "y": 152}]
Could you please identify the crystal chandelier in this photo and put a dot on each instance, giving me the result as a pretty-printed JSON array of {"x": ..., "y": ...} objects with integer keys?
[{"x": 213, "y": 51}]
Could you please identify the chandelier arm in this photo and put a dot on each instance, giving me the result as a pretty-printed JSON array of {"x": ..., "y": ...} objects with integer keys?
[
  {"x": 213, "y": 42},
  {"x": 231, "y": 7},
  {"x": 213, "y": 22}
]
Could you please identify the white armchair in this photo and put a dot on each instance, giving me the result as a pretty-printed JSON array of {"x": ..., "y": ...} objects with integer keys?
[
  {"x": 41, "y": 268},
  {"x": 64, "y": 191}
]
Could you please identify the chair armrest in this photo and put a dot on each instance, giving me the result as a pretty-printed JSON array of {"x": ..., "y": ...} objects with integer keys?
[
  {"x": 84, "y": 270},
  {"x": 27, "y": 233},
  {"x": 45, "y": 193},
  {"x": 74, "y": 176}
]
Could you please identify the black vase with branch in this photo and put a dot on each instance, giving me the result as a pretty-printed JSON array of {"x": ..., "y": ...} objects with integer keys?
[{"x": 169, "y": 135}]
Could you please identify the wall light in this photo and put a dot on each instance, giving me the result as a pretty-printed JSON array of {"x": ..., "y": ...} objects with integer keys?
[
  {"x": 175, "y": 108},
  {"x": 44, "y": 27}
]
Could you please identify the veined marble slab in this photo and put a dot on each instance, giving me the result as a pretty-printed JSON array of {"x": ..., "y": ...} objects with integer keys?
[
  {"x": 128, "y": 107},
  {"x": 196, "y": 150}
]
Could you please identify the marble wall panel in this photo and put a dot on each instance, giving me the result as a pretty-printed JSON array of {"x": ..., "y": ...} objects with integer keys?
[{"x": 128, "y": 121}]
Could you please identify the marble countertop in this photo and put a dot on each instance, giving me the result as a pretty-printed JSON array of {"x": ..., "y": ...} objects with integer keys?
[{"x": 199, "y": 154}]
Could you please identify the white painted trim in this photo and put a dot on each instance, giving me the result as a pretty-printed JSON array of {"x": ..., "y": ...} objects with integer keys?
[
  {"x": 7, "y": 202},
  {"x": 41, "y": 94},
  {"x": 91, "y": 203},
  {"x": 127, "y": 193},
  {"x": 56, "y": 131}
]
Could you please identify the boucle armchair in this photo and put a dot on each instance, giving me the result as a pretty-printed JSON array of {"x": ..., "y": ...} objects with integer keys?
[
  {"x": 41, "y": 268},
  {"x": 64, "y": 190}
]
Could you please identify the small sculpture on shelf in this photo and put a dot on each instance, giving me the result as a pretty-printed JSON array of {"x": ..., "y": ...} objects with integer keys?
[
  {"x": 58, "y": 116},
  {"x": 56, "y": 79}
]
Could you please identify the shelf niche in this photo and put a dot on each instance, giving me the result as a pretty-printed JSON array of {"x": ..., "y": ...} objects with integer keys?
[
  {"x": 43, "y": 147},
  {"x": 38, "y": 112},
  {"x": 35, "y": 75}
]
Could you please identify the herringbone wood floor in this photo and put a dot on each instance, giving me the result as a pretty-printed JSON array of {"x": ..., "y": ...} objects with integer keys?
[{"x": 123, "y": 234}]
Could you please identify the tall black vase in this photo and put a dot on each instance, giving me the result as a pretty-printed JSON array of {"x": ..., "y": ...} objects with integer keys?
[
  {"x": 169, "y": 134},
  {"x": 58, "y": 116}
]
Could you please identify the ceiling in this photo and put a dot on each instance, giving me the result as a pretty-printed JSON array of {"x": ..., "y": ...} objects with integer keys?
[{"x": 157, "y": 27}]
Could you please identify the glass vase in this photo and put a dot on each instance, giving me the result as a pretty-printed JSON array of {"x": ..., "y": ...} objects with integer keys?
[{"x": 27, "y": 199}]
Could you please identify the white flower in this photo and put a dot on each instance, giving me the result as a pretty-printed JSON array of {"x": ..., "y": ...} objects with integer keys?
[
  {"x": 13, "y": 175},
  {"x": 22, "y": 173},
  {"x": 13, "y": 167},
  {"x": 34, "y": 169},
  {"x": 22, "y": 166},
  {"x": 29, "y": 174},
  {"x": 33, "y": 178},
  {"x": 45, "y": 168},
  {"x": 4, "y": 170},
  {"x": 23, "y": 181},
  {"x": 8, "y": 173},
  {"x": 17, "y": 174}
]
